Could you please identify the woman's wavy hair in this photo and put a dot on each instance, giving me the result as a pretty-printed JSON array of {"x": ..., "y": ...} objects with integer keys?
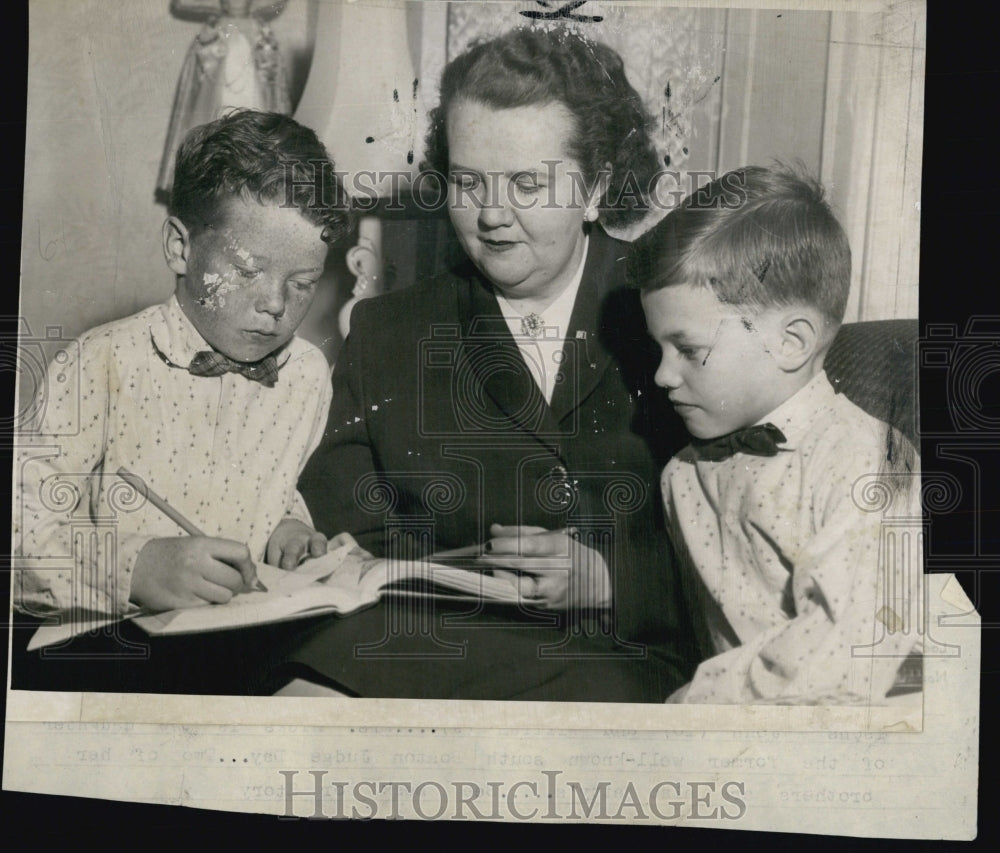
[
  {"x": 531, "y": 66},
  {"x": 258, "y": 156}
]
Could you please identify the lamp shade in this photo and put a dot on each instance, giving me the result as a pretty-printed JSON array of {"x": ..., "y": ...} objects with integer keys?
[{"x": 360, "y": 96}]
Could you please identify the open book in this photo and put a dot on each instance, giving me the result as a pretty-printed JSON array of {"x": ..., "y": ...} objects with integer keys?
[{"x": 342, "y": 581}]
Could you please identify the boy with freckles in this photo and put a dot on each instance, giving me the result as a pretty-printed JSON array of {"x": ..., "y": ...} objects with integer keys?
[
  {"x": 209, "y": 397},
  {"x": 744, "y": 286}
]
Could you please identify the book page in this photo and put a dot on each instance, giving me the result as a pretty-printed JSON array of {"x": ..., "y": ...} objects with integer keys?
[{"x": 341, "y": 581}]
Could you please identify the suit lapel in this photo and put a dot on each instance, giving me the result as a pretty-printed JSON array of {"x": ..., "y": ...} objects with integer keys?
[
  {"x": 491, "y": 353},
  {"x": 585, "y": 357}
]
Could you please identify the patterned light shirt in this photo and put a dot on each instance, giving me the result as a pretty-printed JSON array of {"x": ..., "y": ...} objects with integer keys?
[
  {"x": 224, "y": 451},
  {"x": 807, "y": 564}
]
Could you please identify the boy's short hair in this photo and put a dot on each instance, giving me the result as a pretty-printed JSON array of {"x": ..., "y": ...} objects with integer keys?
[
  {"x": 758, "y": 237},
  {"x": 258, "y": 156}
]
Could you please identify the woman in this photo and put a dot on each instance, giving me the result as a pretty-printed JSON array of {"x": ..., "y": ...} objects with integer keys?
[{"x": 507, "y": 407}]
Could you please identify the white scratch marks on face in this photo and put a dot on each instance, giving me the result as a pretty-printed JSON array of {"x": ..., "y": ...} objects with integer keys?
[{"x": 217, "y": 285}]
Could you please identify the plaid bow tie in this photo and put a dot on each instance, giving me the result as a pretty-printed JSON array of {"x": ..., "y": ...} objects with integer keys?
[
  {"x": 212, "y": 363},
  {"x": 762, "y": 440}
]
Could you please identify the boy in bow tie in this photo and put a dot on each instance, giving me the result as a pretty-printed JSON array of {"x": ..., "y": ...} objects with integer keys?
[
  {"x": 744, "y": 287},
  {"x": 209, "y": 397}
]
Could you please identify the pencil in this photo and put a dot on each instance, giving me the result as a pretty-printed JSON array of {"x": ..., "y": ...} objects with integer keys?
[{"x": 143, "y": 488}]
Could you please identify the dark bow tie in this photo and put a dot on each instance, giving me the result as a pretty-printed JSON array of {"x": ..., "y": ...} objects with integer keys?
[
  {"x": 212, "y": 363},
  {"x": 762, "y": 440}
]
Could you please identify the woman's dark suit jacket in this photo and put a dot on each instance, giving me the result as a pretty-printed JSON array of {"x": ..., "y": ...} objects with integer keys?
[{"x": 437, "y": 430}]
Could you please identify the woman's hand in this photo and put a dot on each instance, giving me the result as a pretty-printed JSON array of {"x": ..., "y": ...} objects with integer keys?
[{"x": 552, "y": 568}]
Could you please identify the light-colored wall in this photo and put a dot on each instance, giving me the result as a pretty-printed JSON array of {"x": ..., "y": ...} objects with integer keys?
[
  {"x": 101, "y": 81},
  {"x": 843, "y": 93}
]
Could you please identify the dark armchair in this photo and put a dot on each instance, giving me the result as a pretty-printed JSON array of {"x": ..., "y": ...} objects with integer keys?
[{"x": 875, "y": 364}]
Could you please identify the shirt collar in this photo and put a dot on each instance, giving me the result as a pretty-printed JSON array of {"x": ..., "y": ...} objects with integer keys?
[
  {"x": 559, "y": 313},
  {"x": 799, "y": 412},
  {"x": 175, "y": 335}
]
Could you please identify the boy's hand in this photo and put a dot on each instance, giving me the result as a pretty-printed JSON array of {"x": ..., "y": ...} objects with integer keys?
[
  {"x": 291, "y": 541},
  {"x": 190, "y": 570}
]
